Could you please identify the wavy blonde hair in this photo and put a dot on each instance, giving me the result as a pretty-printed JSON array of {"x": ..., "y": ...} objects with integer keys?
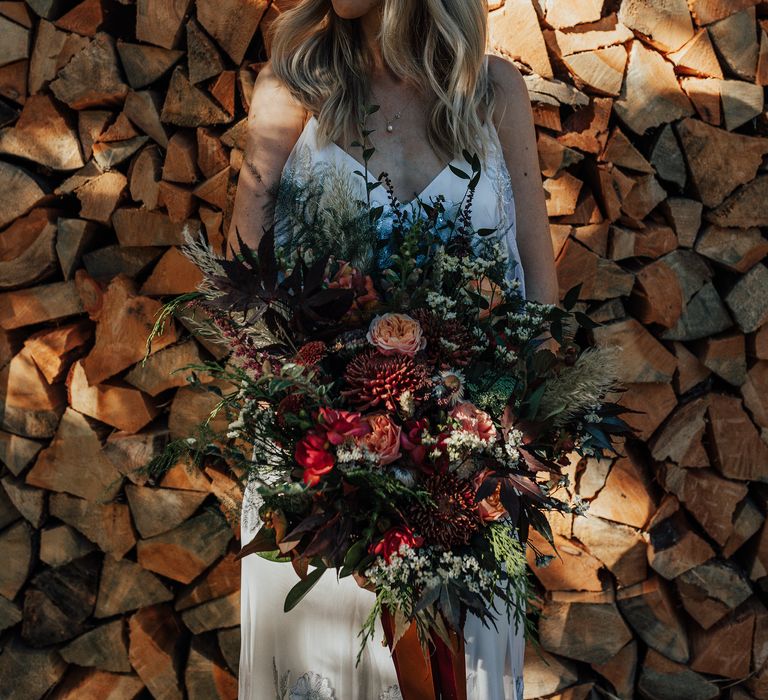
[{"x": 437, "y": 45}]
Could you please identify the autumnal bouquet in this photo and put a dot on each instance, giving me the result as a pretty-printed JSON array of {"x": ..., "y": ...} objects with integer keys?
[{"x": 392, "y": 394}]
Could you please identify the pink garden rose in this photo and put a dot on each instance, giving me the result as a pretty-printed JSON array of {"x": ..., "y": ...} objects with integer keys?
[
  {"x": 384, "y": 438},
  {"x": 474, "y": 421},
  {"x": 396, "y": 334}
]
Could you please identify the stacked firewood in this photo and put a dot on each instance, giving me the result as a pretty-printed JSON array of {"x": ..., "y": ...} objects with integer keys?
[{"x": 121, "y": 121}]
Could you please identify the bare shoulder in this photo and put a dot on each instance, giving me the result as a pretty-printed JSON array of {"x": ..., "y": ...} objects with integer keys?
[
  {"x": 274, "y": 124},
  {"x": 512, "y": 101},
  {"x": 273, "y": 103}
]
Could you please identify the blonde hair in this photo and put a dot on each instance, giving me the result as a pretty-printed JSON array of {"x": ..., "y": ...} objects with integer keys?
[{"x": 437, "y": 45}]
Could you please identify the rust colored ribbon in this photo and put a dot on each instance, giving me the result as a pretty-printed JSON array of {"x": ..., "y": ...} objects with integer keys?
[{"x": 442, "y": 676}]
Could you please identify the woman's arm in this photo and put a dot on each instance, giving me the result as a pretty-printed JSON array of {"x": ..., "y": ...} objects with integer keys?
[
  {"x": 514, "y": 122},
  {"x": 275, "y": 122}
]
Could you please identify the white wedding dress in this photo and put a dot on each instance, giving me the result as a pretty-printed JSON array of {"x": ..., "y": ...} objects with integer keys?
[{"x": 309, "y": 653}]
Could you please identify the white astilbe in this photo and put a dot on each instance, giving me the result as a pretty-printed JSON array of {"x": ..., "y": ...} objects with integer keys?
[{"x": 579, "y": 388}]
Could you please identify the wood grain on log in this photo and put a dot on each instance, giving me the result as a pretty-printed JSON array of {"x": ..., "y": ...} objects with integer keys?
[
  {"x": 123, "y": 322},
  {"x": 719, "y": 161},
  {"x": 16, "y": 542},
  {"x": 186, "y": 551},
  {"x": 92, "y": 77},
  {"x": 648, "y": 74},
  {"x": 43, "y": 135},
  {"x": 697, "y": 57},
  {"x": 61, "y": 544},
  {"x": 664, "y": 679},
  {"x": 124, "y": 586},
  {"x": 104, "y": 647},
  {"x": 59, "y": 602},
  {"x": 143, "y": 64},
  {"x": 160, "y": 23},
  {"x": 155, "y": 648},
  {"x": 59, "y": 467},
  {"x": 30, "y": 405},
  {"x": 205, "y": 675},
  {"x": 515, "y": 30},
  {"x": 107, "y": 525},
  {"x": 187, "y": 105},
  {"x": 158, "y": 510},
  {"x": 587, "y": 631},
  {"x": 650, "y": 610},
  {"x": 666, "y": 25},
  {"x": 232, "y": 23}
]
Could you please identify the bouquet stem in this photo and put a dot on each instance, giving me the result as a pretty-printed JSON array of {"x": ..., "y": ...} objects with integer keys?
[{"x": 442, "y": 676}]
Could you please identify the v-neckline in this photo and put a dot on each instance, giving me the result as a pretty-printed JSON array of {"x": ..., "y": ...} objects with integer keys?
[{"x": 371, "y": 178}]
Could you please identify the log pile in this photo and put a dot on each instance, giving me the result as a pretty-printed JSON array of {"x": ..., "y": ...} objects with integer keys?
[{"x": 120, "y": 122}]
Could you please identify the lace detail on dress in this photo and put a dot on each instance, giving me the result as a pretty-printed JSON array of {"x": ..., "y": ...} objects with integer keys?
[
  {"x": 502, "y": 185},
  {"x": 391, "y": 693},
  {"x": 502, "y": 182},
  {"x": 252, "y": 502},
  {"x": 519, "y": 688},
  {"x": 311, "y": 686}
]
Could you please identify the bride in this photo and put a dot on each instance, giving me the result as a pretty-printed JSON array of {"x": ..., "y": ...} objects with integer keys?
[{"x": 424, "y": 63}]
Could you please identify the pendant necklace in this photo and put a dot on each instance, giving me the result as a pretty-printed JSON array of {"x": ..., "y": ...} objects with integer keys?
[{"x": 390, "y": 127}]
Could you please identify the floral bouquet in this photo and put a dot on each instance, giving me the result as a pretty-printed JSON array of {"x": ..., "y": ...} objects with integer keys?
[{"x": 399, "y": 403}]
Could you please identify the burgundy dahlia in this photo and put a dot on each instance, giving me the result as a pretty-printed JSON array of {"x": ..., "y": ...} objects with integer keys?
[
  {"x": 453, "y": 518},
  {"x": 376, "y": 380},
  {"x": 456, "y": 350}
]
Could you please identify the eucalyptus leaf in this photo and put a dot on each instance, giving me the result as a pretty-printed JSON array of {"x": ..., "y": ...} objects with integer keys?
[
  {"x": 301, "y": 589},
  {"x": 458, "y": 172}
]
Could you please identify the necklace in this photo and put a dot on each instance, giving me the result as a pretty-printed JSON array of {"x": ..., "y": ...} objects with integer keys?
[
  {"x": 390, "y": 127},
  {"x": 390, "y": 121}
]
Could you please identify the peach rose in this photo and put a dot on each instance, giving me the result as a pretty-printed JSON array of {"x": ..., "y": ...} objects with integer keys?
[
  {"x": 474, "y": 421},
  {"x": 489, "y": 508},
  {"x": 492, "y": 293},
  {"x": 396, "y": 334},
  {"x": 384, "y": 438}
]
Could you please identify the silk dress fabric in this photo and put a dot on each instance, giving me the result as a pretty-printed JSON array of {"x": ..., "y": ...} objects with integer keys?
[{"x": 309, "y": 653}]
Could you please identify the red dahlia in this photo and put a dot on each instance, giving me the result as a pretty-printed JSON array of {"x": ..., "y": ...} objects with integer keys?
[
  {"x": 381, "y": 380},
  {"x": 453, "y": 518},
  {"x": 449, "y": 343}
]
